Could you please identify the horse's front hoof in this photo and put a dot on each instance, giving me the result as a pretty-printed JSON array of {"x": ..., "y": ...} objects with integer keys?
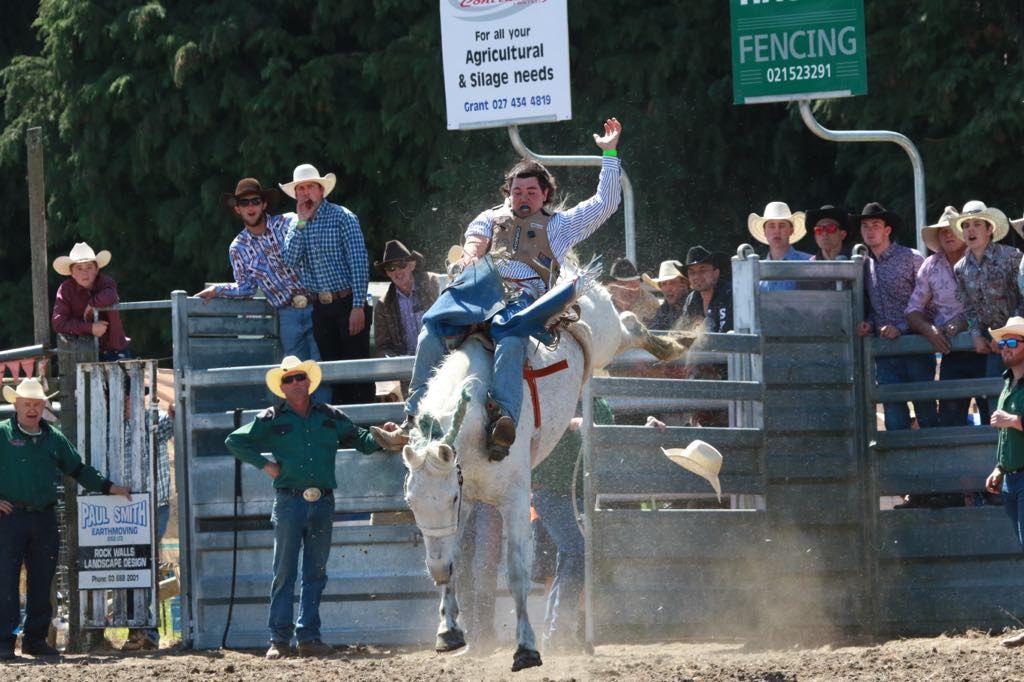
[
  {"x": 525, "y": 658},
  {"x": 449, "y": 640}
]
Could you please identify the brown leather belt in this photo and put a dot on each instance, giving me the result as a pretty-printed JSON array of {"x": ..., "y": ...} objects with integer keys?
[{"x": 328, "y": 297}]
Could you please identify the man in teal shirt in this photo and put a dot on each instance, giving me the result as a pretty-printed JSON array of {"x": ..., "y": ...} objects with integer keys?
[
  {"x": 31, "y": 453},
  {"x": 303, "y": 436}
]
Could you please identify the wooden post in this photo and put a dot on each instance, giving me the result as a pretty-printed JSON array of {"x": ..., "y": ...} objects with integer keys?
[{"x": 37, "y": 229}]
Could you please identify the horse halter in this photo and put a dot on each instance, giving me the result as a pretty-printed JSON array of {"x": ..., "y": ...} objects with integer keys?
[{"x": 450, "y": 529}]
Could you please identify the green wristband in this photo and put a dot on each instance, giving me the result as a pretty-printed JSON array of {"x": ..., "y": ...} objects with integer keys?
[{"x": 610, "y": 152}]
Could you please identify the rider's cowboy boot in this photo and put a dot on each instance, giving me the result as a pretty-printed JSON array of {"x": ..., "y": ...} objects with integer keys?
[{"x": 501, "y": 433}]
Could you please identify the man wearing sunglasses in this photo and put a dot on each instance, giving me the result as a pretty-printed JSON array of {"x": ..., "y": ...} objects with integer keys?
[
  {"x": 829, "y": 226},
  {"x": 303, "y": 435},
  {"x": 399, "y": 315},
  {"x": 257, "y": 261}
]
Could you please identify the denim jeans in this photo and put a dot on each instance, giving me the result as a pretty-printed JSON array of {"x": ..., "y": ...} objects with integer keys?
[
  {"x": 555, "y": 512},
  {"x": 898, "y": 369},
  {"x": 295, "y": 327},
  {"x": 30, "y": 538},
  {"x": 960, "y": 365},
  {"x": 307, "y": 526},
  {"x": 1013, "y": 502}
]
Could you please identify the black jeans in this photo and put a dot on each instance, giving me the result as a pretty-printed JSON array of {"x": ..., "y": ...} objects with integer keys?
[
  {"x": 330, "y": 329},
  {"x": 28, "y": 537}
]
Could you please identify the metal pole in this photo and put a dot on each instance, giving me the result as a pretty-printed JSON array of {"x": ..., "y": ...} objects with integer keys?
[
  {"x": 37, "y": 232},
  {"x": 878, "y": 136},
  {"x": 628, "y": 204}
]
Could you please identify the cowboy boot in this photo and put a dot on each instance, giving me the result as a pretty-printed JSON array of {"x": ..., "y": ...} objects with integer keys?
[{"x": 501, "y": 432}]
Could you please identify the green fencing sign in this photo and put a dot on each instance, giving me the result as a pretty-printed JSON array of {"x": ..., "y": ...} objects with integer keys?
[{"x": 797, "y": 49}]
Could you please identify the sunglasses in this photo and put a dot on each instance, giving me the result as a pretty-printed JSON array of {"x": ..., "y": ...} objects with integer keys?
[
  {"x": 293, "y": 377},
  {"x": 391, "y": 267},
  {"x": 254, "y": 201},
  {"x": 831, "y": 228},
  {"x": 1009, "y": 343}
]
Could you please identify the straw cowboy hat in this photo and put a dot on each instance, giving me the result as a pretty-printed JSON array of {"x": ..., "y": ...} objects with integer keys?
[
  {"x": 395, "y": 250},
  {"x": 974, "y": 210},
  {"x": 930, "y": 233},
  {"x": 700, "y": 458},
  {"x": 308, "y": 173},
  {"x": 1018, "y": 225},
  {"x": 246, "y": 186},
  {"x": 777, "y": 210},
  {"x": 1014, "y": 325},
  {"x": 80, "y": 253},
  {"x": 30, "y": 389},
  {"x": 875, "y": 211},
  {"x": 623, "y": 270},
  {"x": 668, "y": 270},
  {"x": 292, "y": 365}
]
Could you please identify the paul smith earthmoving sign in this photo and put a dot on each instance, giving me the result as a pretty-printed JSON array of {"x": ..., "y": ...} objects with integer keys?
[
  {"x": 115, "y": 542},
  {"x": 797, "y": 49},
  {"x": 505, "y": 62}
]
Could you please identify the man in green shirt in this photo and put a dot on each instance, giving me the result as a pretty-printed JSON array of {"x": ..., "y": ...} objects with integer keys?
[
  {"x": 31, "y": 453},
  {"x": 303, "y": 436},
  {"x": 1008, "y": 476}
]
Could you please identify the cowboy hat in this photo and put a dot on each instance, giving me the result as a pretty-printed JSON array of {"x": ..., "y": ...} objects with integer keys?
[
  {"x": 30, "y": 389},
  {"x": 307, "y": 173},
  {"x": 1014, "y": 325},
  {"x": 80, "y": 253},
  {"x": 396, "y": 250},
  {"x": 697, "y": 255},
  {"x": 777, "y": 210},
  {"x": 623, "y": 270},
  {"x": 245, "y": 186},
  {"x": 875, "y": 211},
  {"x": 974, "y": 210},
  {"x": 668, "y": 270},
  {"x": 930, "y": 233},
  {"x": 700, "y": 458},
  {"x": 292, "y": 365},
  {"x": 828, "y": 212}
]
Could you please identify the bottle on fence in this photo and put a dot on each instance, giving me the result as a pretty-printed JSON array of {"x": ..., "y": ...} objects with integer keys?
[{"x": 60, "y": 627}]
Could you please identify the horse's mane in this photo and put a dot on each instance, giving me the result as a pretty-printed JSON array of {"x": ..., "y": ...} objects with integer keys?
[{"x": 462, "y": 368}]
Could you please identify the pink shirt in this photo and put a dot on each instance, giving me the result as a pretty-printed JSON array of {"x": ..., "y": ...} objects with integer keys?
[
  {"x": 69, "y": 311},
  {"x": 934, "y": 293}
]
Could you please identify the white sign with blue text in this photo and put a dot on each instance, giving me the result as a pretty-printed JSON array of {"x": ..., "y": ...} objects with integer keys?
[
  {"x": 115, "y": 541},
  {"x": 505, "y": 62}
]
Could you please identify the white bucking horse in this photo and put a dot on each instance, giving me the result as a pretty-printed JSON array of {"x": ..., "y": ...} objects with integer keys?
[{"x": 447, "y": 457}]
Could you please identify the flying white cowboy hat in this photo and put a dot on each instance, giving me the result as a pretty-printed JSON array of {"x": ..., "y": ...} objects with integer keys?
[
  {"x": 930, "y": 233},
  {"x": 669, "y": 269},
  {"x": 80, "y": 253},
  {"x": 974, "y": 210},
  {"x": 292, "y": 365},
  {"x": 700, "y": 458},
  {"x": 308, "y": 173},
  {"x": 30, "y": 389},
  {"x": 777, "y": 210}
]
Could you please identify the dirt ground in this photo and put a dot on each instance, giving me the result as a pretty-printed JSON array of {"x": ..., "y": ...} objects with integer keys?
[{"x": 973, "y": 656}]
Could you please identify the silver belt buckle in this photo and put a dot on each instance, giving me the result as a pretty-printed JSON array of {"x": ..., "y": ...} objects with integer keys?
[
  {"x": 311, "y": 494},
  {"x": 299, "y": 301},
  {"x": 325, "y": 297}
]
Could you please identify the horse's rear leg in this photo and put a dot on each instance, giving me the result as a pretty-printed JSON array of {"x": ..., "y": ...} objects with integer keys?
[
  {"x": 520, "y": 559},
  {"x": 662, "y": 347},
  {"x": 449, "y": 635}
]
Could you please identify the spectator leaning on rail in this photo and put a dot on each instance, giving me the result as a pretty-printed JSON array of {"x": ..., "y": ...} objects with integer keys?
[
  {"x": 31, "y": 454},
  {"x": 627, "y": 294},
  {"x": 325, "y": 243},
  {"x": 674, "y": 286},
  {"x": 398, "y": 316},
  {"x": 890, "y": 276},
  {"x": 531, "y": 243},
  {"x": 986, "y": 280},
  {"x": 830, "y": 226},
  {"x": 78, "y": 297},
  {"x": 303, "y": 435},
  {"x": 257, "y": 262},
  {"x": 935, "y": 312},
  {"x": 779, "y": 228}
]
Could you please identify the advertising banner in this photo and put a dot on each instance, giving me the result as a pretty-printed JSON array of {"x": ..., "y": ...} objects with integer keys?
[{"x": 115, "y": 541}]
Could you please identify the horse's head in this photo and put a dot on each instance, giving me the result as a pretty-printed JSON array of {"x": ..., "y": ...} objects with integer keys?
[{"x": 433, "y": 489}]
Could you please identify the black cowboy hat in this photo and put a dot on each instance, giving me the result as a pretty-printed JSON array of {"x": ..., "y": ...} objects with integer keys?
[
  {"x": 697, "y": 255},
  {"x": 249, "y": 186},
  {"x": 838, "y": 214},
  {"x": 395, "y": 250},
  {"x": 623, "y": 270},
  {"x": 875, "y": 210}
]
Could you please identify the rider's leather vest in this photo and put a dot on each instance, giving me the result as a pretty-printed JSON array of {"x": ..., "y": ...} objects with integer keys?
[{"x": 524, "y": 240}]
